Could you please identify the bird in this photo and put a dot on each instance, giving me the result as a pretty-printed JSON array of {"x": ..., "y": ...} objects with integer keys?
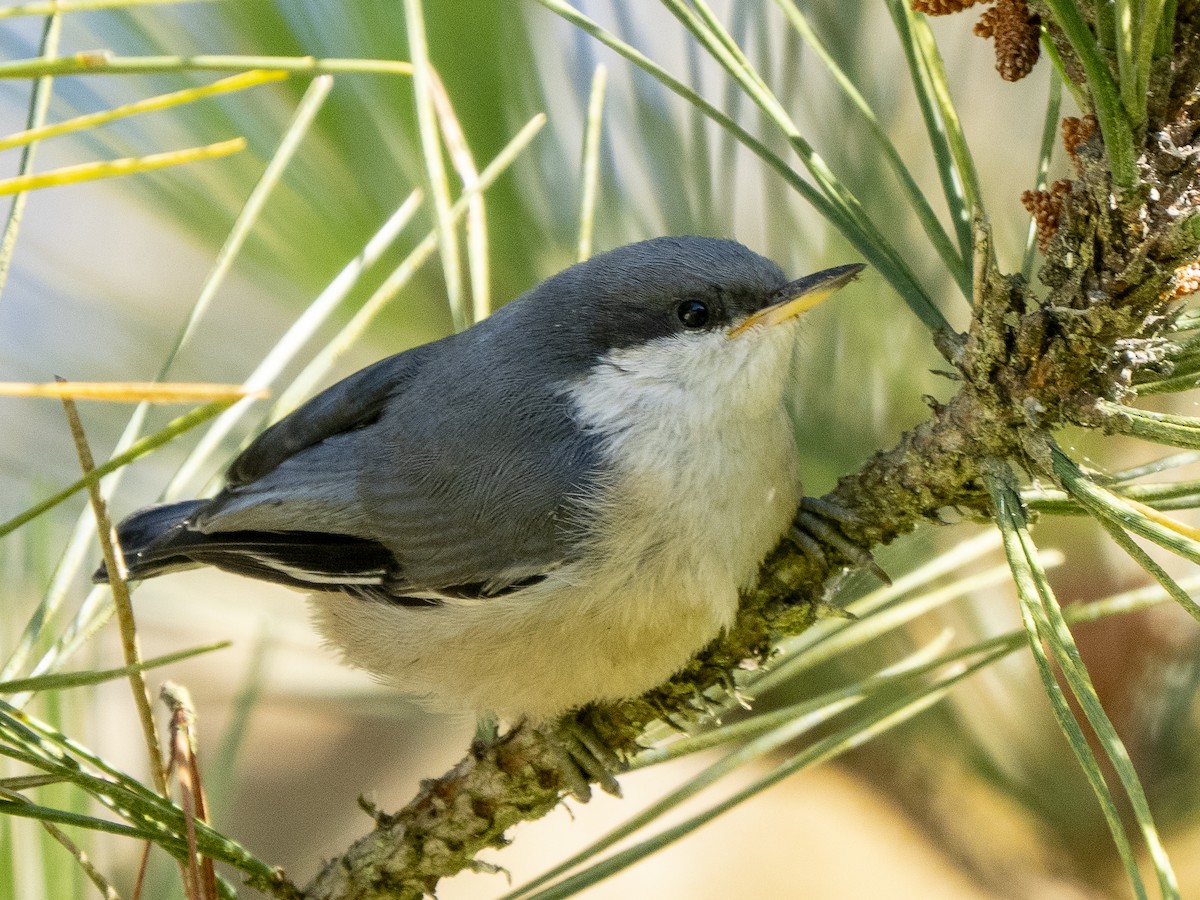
[{"x": 554, "y": 507}]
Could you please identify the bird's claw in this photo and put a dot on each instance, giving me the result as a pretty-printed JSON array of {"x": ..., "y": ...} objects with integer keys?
[
  {"x": 585, "y": 758},
  {"x": 819, "y": 524}
]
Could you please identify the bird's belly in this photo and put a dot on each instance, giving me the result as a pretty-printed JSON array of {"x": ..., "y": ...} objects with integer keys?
[
  {"x": 654, "y": 588},
  {"x": 536, "y": 653}
]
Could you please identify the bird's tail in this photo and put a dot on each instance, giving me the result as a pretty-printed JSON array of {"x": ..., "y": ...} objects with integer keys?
[
  {"x": 150, "y": 540},
  {"x": 165, "y": 538}
]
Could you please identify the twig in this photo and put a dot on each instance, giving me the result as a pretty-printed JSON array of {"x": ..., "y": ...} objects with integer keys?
[
  {"x": 202, "y": 879},
  {"x": 120, "y": 590}
]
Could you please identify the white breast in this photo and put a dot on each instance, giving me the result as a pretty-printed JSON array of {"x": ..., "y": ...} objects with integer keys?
[{"x": 703, "y": 484}]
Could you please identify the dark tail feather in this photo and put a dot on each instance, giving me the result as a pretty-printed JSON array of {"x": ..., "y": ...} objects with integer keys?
[
  {"x": 140, "y": 531},
  {"x": 159, "y": 539}
]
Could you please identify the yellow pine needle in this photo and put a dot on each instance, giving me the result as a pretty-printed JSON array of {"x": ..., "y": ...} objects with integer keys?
[
  {"x": 163, "y": 101},
  {"x": 48, "y": 7},
  {"x": 92, "y": 62},
  {"x": 1154, "y": 515},
  {"x": 591, "y": 161},
  {"x": 464, "y": 164},
  {"x": 112, "y": 168},
  {"x": 129, "y": 391}
]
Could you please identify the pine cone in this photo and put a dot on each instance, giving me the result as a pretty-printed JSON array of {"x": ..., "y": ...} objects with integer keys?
[
  {"x": 1015, "y": 30},
  {"x": 1046, "y": 209},
  {"x": 942, "y": 7},
  {"x": 986, "y": 26},
  {"x": 1076, "y": 132}
]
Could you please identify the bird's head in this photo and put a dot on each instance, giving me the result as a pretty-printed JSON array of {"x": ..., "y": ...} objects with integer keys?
[{"x": 703, "y": 314}]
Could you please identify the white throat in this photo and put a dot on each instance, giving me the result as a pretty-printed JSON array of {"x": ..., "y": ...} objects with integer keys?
[{"x": 696, "y": 430}]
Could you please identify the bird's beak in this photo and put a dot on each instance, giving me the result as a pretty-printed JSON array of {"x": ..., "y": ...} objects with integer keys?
[{"x": 800, "y": 296}]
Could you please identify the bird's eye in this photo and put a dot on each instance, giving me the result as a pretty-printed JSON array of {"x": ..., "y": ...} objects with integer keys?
[{"x": 693, "y": 313}]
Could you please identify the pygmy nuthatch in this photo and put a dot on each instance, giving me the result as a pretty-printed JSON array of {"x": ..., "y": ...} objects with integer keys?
[{"x": 556, "y": 506}]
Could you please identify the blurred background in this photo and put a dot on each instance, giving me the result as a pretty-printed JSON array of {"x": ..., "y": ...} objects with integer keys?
[{"x": 979, "y": 797}]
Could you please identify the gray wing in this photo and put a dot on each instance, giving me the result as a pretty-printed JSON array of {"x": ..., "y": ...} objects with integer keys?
[
  {"x": 493, "y": 492},
  {"x": 410, "y": 456},
  {"x": 352, "y": 403}
]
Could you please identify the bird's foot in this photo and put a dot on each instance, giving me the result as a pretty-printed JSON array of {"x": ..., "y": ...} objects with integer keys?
[
  {"x": 820, "y": 524},
  {"x": 584, "y": 757}
]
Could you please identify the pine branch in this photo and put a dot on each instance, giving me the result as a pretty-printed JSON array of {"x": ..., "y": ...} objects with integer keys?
[{"x": 1027, "y": 365}]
